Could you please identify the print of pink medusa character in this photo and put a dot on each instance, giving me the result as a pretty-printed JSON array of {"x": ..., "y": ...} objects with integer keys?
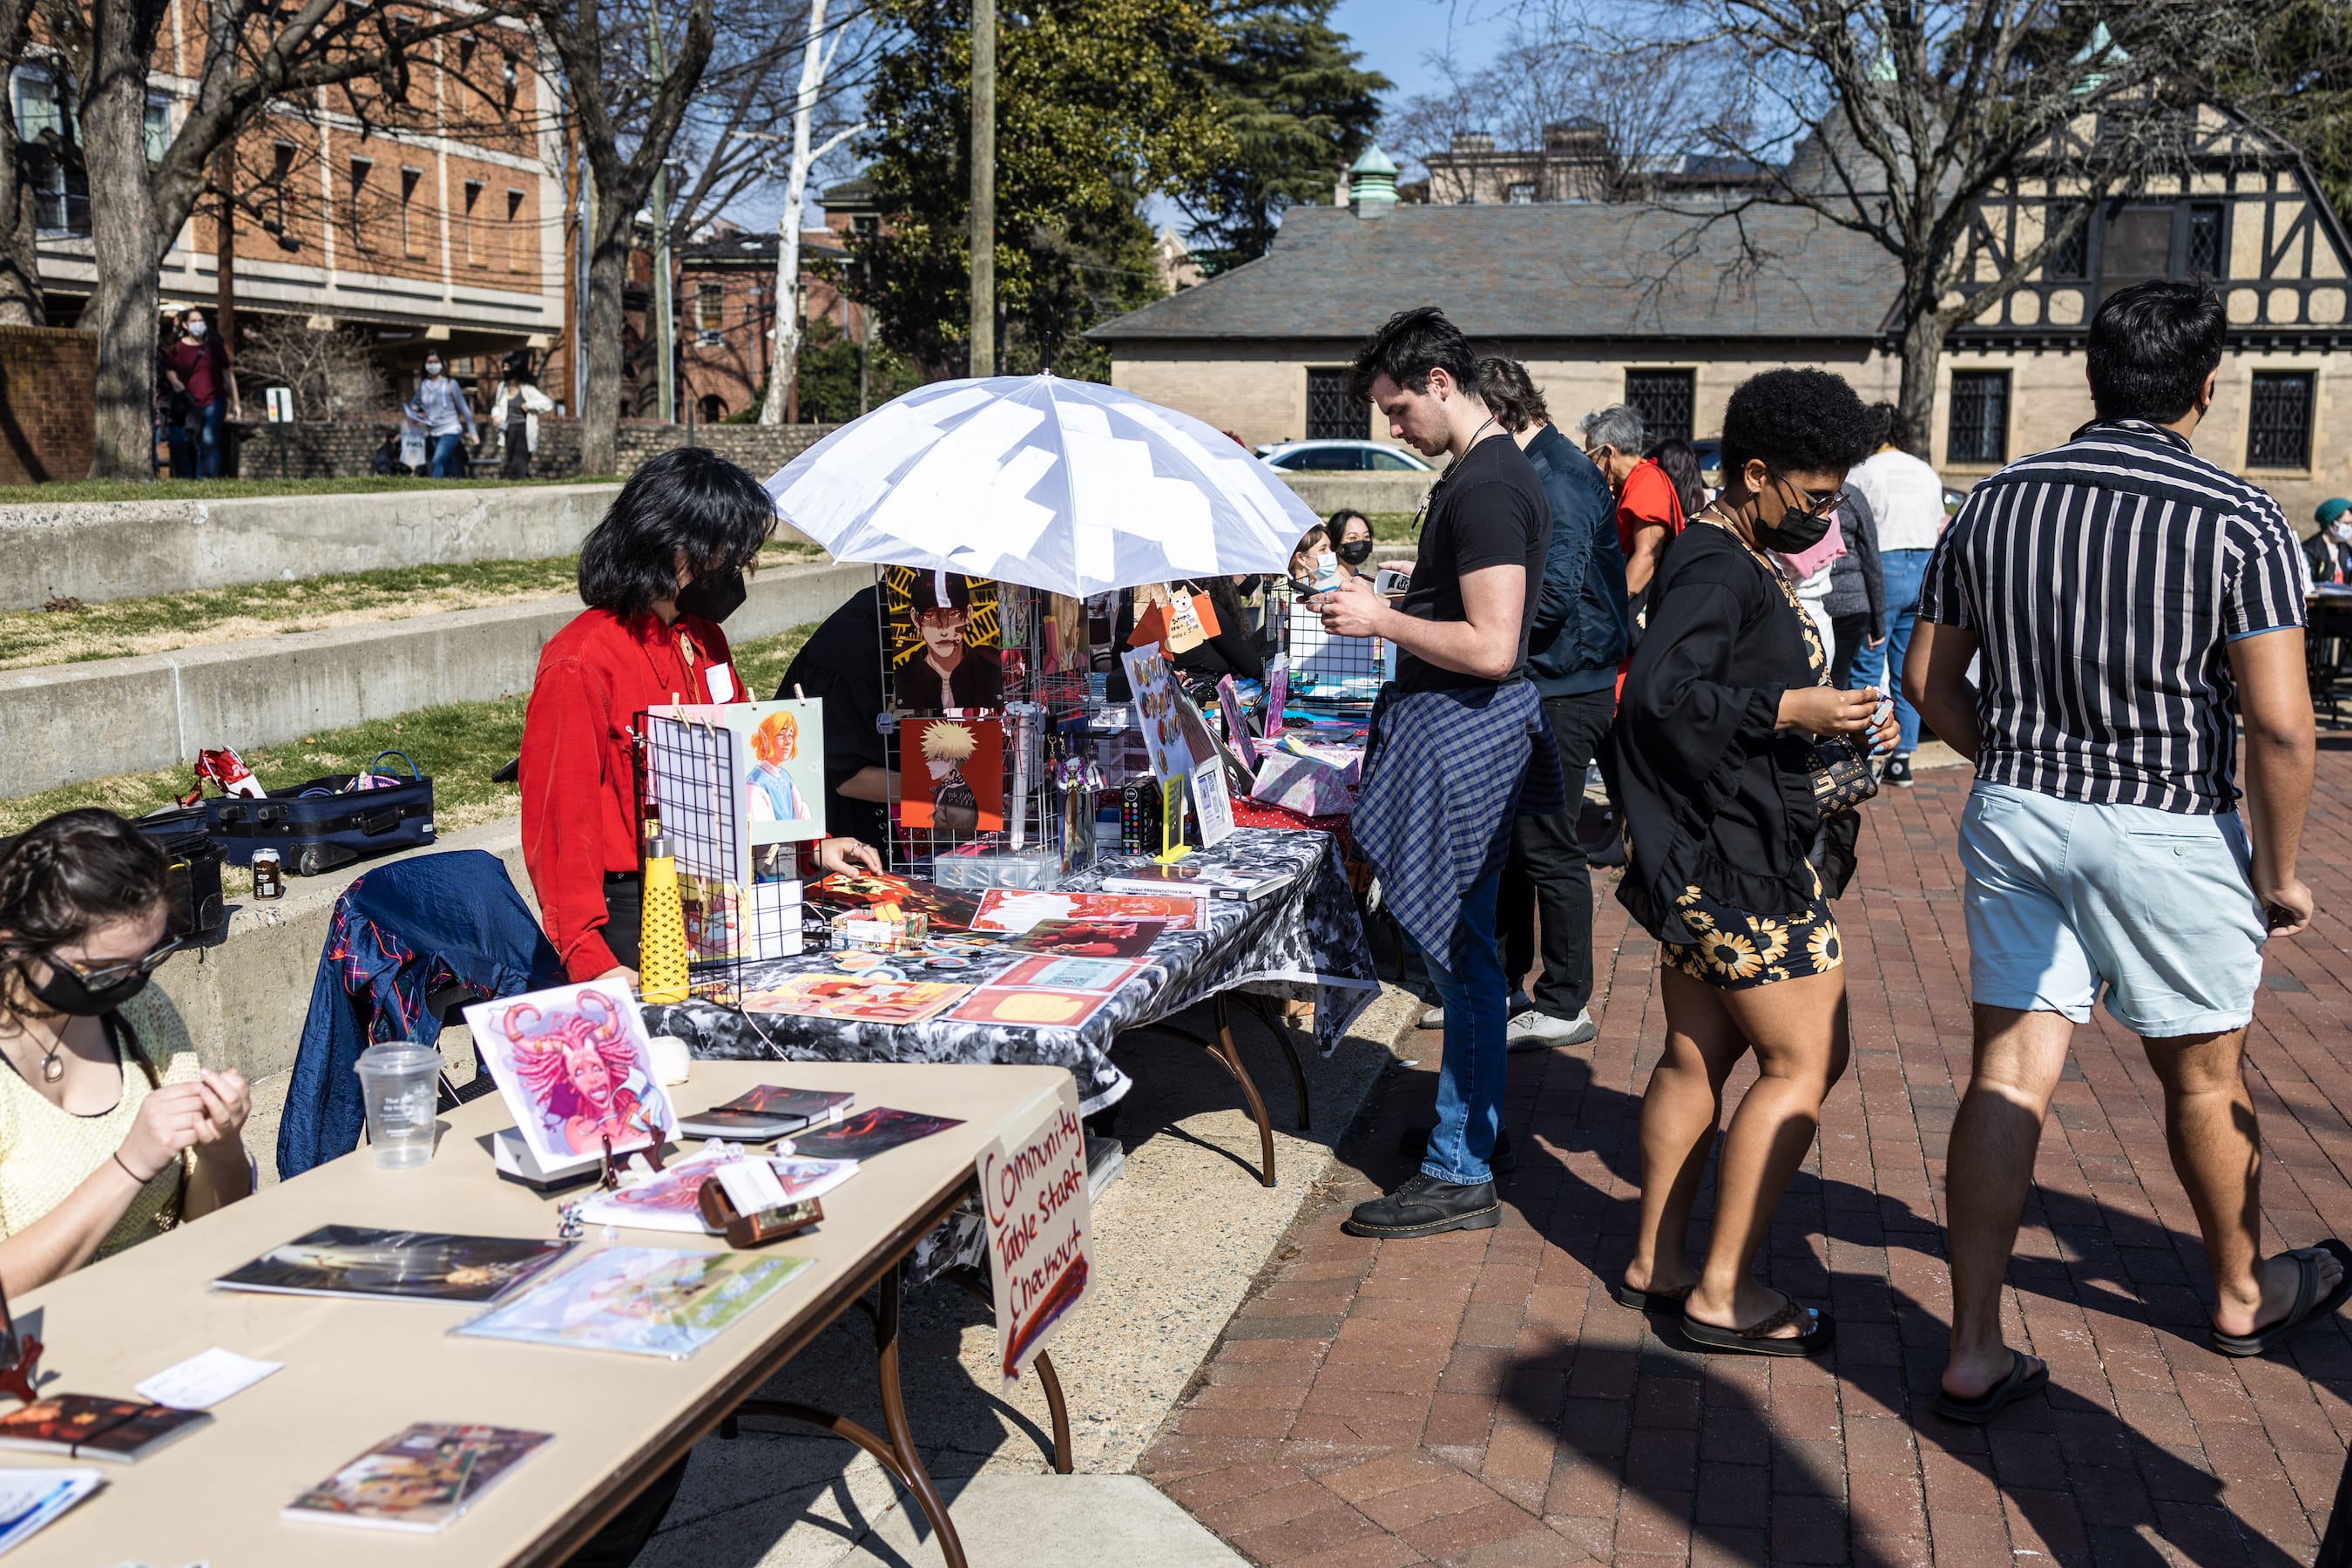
[{"x": 578, "y": 1074}]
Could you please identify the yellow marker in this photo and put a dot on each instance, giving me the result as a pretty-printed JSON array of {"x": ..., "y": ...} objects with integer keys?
[{"x": 661, "y": 969}]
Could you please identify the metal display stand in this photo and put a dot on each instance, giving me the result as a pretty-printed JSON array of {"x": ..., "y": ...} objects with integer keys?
[{"x": 689, "y": 781}]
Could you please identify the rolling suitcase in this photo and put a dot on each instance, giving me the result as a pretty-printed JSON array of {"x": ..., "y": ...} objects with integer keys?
[{"x": 325, "y": 823}]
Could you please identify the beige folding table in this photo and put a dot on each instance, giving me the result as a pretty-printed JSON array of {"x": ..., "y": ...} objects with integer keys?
[{"x": 357, "y": 1371}]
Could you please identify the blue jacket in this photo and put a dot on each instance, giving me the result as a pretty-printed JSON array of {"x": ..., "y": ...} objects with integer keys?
[
  {"x": 401, "y": 932},
  {"x": 1581, "y": 630}
]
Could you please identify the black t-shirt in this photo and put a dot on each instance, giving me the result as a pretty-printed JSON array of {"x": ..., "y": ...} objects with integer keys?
[
  {"x": 1488, "y": 511},
  {"x": 841, "y": 666}
]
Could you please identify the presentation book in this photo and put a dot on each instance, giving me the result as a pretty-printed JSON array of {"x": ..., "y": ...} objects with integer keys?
[{"x": 766, "y": 1112}]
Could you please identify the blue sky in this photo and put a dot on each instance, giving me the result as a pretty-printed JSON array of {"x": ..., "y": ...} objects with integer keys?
[{"x": 1397, "y": 37}]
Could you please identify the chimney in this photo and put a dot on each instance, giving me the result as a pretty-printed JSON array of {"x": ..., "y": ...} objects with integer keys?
[{"x": 1371, "y": 183}]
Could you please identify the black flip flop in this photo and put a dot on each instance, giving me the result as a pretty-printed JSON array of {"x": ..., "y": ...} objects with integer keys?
[
  {"x": 1652, "y": 1300},
  {"x": 2023, "y": 1379},
  {"x": 2309, "y": 1308},
  {"x": 1757, "y": 1338}
]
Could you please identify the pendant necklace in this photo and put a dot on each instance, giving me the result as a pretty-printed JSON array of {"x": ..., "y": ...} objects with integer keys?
[{"x": 52, "y": 1068}]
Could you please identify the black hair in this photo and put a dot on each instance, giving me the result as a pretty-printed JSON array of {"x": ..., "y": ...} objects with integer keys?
[
  {"x": 925, "y": 594},
  {"x": 65, "y": 876},
  {"x": 1510, "y": 395},
  {"x": 690, "y": 502},
  {"x": 1678, "y": 461},
  {"x": 2152, "y": 346},
  {"x": 1798, "y": 421},
  {"x": 1337, "y": 523},
  {"x": 1889, "y": 427},
  {"x": 1408, "y": 346}
]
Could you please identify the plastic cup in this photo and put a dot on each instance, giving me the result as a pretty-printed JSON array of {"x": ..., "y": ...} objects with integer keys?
[{"x": 398, "y": 1079}]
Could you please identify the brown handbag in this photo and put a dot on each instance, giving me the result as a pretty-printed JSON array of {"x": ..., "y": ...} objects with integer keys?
[{"x": 1842, "y": 775}]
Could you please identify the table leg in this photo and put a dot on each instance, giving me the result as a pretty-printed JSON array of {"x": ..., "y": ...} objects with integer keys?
[
  {"x": 897, "y": 1454},
  {"x": 978, "y": 1286},
  {"x": 1281, "y": 1032},
  {"x": 1225, "y": 1051}
]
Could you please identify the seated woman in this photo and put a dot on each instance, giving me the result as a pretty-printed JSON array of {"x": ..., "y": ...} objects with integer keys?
[
  {"x": 660, "y": 572},
  {"x": 1306, "y": 560},
  {"x": 111, "y": 1131}
]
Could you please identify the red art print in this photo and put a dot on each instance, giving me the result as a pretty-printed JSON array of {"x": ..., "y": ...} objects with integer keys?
[
  {"x": 1019, "y": 910},
  {"x": 1098, "y": 938},
  {"x": 575, "y": 1070},
  {"x": 951, "y": 775},
  {"x": 868, "y": 1133},
  {"x": 939, "y": 636},
  {"x": 1030, "y": 1008}
]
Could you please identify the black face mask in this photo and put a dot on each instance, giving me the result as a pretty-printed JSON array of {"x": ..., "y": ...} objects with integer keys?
[
  {"x": 1356, "y": 552},
  {"x": 65, "y": 991},
  {"x": 714, "y": 597},
  {"x": 1796, "y": 532}
]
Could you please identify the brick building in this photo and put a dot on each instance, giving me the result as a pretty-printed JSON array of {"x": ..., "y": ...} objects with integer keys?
[{"x": 1609, "y": 302}]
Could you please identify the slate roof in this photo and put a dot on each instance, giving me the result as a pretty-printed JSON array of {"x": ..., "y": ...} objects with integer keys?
[{"x": 1570, "y": 269}]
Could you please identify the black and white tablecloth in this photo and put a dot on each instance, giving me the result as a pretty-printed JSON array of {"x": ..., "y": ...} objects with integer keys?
[{"x": 1303, "y": 942}]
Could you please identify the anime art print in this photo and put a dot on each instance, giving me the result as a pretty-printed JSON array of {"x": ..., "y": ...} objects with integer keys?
[
  {"x": 951, "y": 775},
  {"x": 783, "y": 763},
  {"x": 575, "y": 1070},
  {"x": 644, "y": 1301},
  {"x": 939, "y": 636}
]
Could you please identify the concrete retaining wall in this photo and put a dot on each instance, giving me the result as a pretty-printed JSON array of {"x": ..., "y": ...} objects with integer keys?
[
  {"x": 1327, "y": 493},
  {"x": 69, "y": 723},
  {"x": 98, "y": 551}
]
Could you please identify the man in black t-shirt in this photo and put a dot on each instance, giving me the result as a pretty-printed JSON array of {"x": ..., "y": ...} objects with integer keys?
[{"x": 1454, "y": 743}]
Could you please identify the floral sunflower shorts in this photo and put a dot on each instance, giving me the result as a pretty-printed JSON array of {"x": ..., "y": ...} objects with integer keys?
[{"x": 1733, "y": 949}]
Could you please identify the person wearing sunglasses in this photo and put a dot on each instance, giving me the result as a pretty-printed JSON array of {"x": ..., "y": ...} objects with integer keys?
[
  {"x": 111, "y": 1131},
  {"x": 1710, "y": 763}
]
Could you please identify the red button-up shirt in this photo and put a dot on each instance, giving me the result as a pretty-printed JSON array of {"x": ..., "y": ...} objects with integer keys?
[{"x": 579, "y": 814}]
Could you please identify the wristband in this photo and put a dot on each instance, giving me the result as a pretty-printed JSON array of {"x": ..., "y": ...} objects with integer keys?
[{"x": 127, "y": 1170}]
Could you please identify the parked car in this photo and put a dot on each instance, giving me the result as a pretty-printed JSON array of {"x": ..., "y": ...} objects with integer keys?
[{"x": 1343, "y": 456}]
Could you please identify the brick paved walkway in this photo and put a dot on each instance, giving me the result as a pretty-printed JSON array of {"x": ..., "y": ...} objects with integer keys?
[{"x": 1479, "y": 1399}]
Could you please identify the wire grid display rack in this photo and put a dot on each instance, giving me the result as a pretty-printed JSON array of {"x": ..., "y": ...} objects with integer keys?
[
  {"x": 690, "y": 777},
  {"x": 1327, "y": 673}
]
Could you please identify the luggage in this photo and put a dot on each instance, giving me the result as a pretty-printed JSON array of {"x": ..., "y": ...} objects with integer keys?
[
  {"x": 193, "y": 886},
  {"x": 325, "y": 823}
]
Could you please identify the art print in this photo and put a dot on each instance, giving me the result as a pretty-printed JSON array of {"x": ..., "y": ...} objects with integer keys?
[
  {"x": 643, "y": 1300},
  {"x": 1053, "y": 974},
  {"x": 1017, "y": 909},
  {"x": 869, "y": 1132},
  {"x": 939, "y": 636},
  {"x": 420, "y": 1480},
  {"x": 575, "y": 1070},
  {"x": 854, "y": 998},
  {"x": 1069, "y": 650},
  {"x": 1093, "y": 938},
  {"x": 1031, "y": 1007},
  {"x": 1153, "y": 681},
  {"x": 951, "y": 775},
  {"x": 671, "y": 1198},
  {"x": 781, "y": 765}
]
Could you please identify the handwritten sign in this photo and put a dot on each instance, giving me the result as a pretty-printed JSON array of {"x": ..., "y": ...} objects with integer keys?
[{"x": 1040, "y": 1229}]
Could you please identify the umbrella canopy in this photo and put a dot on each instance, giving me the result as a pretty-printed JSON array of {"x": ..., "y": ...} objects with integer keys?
[{"x": 1063, "y": 485}]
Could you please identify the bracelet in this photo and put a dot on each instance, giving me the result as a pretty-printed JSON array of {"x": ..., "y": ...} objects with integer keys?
[{"x": 127, "y": 1170}]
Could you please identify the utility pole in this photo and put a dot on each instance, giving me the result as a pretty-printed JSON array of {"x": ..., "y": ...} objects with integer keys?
[
  {"x": 983, "y": 187},
  {"x": 664, "y": 332},
  {"x": 225, "y": 246}
]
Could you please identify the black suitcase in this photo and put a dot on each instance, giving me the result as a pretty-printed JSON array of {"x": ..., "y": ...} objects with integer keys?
[
  {"x": 194, "y": 885},
  {"x": 324, "y": 823}
]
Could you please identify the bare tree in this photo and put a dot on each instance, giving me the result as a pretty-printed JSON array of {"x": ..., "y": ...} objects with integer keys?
[
  {"x": 252, "y": 56},
  {"x": 20, "y": 283},
  {"x": 594, "y": 50},
  {"x": 1900, "y": 120},
  {"x": 332, "y": 371},
  {"x": 817, "y": 52}
]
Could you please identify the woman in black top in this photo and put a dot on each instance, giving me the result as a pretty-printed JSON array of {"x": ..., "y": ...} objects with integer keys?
[{"x": 1708, "y": 763}]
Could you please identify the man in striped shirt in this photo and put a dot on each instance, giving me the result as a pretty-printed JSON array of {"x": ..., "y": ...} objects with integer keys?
[{"x": 2130, "y": 602}]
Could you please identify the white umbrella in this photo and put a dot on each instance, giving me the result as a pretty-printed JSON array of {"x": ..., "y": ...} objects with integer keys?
[{"x": 1064, "y": 485}]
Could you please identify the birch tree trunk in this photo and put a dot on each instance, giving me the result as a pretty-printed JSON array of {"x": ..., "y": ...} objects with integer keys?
[{"x": 785, "y": 368}]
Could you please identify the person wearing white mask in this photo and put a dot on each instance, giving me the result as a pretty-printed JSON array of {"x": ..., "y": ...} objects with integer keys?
[
  {"x": 441, "y": 407},
  {"x": 2328, "y": 552}
]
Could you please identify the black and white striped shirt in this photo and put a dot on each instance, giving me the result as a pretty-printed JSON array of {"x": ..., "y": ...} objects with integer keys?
[{"x": 2104, "y": 580}]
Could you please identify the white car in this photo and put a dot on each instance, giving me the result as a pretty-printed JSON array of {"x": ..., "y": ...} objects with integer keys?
[{"x": 1342, "y": 457}]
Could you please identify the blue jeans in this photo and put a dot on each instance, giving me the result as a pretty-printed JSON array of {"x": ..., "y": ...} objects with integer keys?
[
  {"x": 1476, "y": 995},
  {"x": 209, "y": 416},
  {"x": 1903, "y": 571},
  {"x": 447, "y": 464}
]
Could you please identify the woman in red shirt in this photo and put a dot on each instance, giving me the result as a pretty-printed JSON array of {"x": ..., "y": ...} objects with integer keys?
[{"x": 659, "y": 574}]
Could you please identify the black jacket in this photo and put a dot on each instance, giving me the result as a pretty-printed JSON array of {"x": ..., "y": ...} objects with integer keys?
[
  {"x": 1711, "y": 793},
  {"x": 1581, "y": 628},
  {"x": 841, "y": 666}
]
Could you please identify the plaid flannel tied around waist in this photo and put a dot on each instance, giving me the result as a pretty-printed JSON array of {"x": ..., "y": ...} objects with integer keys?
[{"x": 1444, "y": 775}]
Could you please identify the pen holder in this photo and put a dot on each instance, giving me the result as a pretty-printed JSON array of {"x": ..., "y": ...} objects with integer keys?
[{"x": 759, "y": 1228}]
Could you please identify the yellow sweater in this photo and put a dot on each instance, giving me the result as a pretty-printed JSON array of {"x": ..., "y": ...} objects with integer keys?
[{"x": 46, "y": 1152}]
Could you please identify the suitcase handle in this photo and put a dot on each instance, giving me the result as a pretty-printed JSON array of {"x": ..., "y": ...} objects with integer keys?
[
  {"x": 415, "y": 775},
  {"x": 382, "y": 820}
]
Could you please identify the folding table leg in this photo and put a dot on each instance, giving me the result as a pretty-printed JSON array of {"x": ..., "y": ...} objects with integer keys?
[{"x": 1225, "y": 1051}]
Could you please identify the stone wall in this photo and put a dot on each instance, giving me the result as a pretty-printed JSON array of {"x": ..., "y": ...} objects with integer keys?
[
  {"x": 331, "y": 448},
  {"x": 47, "y": 404}
]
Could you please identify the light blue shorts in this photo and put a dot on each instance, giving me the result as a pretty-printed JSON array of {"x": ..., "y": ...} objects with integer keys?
[{"x": 2065, "y": 897}]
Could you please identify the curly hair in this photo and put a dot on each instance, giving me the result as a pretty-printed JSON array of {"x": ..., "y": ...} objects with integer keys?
[
  {"x": 1797, "y": 421},
  {"x": 67, "y": 875}
]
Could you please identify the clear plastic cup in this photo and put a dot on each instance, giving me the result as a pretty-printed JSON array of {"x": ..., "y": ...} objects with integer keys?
[{"x": 398, "y": 1079}]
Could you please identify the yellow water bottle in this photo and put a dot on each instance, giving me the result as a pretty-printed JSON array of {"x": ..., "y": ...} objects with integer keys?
[{"x": 661, "y": 969}]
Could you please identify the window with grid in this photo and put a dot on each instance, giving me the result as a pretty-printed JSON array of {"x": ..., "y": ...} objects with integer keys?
[
  {"x": 1979, "y": 432},
  {"x": 1331, "y": 413},
  {"x": 1520, "y": 193},
  {"x": 1663, "y": 399},
  {"x": 2069, "y": 258},
  {"x": 2278, "y": 425},
  {"x": 2204, "y": 257},
  {"x": 709, "y": 313},
  {"x": 44, "y": 128}
]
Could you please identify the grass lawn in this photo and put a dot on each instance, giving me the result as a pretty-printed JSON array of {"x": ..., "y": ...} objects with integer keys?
[
  {"x": 459, "y": 745},
  {"x": 223, "y": 490},
  {"x": 125, "y": 626}
]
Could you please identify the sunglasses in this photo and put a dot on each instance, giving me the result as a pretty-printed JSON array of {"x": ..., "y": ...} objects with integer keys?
[
  {"x": 107, "y": 976},
  {"x": 1818, "y": 503}
]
